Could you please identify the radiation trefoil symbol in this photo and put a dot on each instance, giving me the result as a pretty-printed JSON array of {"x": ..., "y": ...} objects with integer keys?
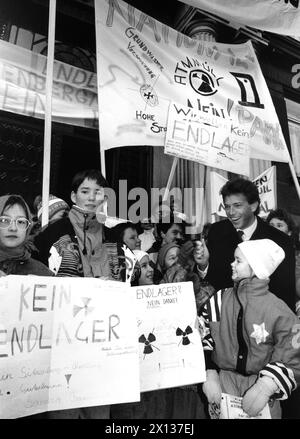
[
  {"x": 148, "y": 343},
  {"x": 184, "y": 334}
]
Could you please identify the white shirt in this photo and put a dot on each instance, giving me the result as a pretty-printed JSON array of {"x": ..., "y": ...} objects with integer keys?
[{"x": 248, "y": 232}]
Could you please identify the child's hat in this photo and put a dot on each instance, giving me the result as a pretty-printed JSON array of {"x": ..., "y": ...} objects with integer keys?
[
  {"x": 139, "y": 254},
  {"x": 263, "y": 256},
  {"x": 55, "y": 205}
]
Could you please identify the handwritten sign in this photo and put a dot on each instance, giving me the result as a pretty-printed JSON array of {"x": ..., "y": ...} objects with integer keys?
[
  {"x": 189, "y": 137},
  {"x": 66, "y": 343},
  {"x": 231, "y": 408},
  {"x": 170, "y": 347}
]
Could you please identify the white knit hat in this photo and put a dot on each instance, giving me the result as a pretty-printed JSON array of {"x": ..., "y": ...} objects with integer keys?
[
  {"x": 139, "y": 254},
  {"x": 263, "y": 256}
]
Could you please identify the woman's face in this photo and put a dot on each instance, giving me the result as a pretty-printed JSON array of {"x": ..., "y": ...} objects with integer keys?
[
  {"x": 13, "y": 236},
  {"x": 146, "y": 277},
  {"x": 131, "y": 239},
  {"x": 280, "y": 225},
  {"x": 171, "y": 257}
]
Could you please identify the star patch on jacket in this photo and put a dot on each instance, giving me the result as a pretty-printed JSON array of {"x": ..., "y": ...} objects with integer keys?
[{"x": 260, "y": 334}]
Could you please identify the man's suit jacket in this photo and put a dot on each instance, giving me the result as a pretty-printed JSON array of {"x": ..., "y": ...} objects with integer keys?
[{"x": 222, "y": 242}]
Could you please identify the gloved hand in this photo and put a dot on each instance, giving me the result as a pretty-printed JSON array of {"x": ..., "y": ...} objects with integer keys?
[
  {"x": 258, "y": 395},
  {"x": 212, "y": 387}
]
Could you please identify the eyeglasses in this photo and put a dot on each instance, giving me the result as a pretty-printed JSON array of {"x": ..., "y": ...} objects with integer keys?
[{"x": 21, "y": 223}]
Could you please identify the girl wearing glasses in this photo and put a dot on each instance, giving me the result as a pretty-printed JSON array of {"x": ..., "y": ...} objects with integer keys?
[{"x": 15, "y": 247}]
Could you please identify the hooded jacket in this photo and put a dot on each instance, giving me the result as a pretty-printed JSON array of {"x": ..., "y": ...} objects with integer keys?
[{"x": 256, "y": 333}]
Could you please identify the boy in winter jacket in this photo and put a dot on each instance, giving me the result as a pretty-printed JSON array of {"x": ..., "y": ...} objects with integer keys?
[{"x": 257, "y": 340}]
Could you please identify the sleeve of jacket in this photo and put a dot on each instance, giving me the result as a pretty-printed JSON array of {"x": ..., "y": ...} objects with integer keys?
[
  {"x": 284, "y": 365},
  {"x": 207, "y": 340}
]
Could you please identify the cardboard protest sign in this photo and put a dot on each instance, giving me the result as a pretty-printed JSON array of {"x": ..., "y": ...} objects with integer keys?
[
  {"x": 190, "y": 138},
  {"x": 170, "y": 347},
  {"x": 23, "y": 87},
  {"x": 144, "y": 65},
  {"x": 231, "y": 408},
  {"x": 66, "y": 343}
]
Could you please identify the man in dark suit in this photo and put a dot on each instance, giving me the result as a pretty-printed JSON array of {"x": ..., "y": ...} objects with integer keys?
[{"x": 241, "y": 201}]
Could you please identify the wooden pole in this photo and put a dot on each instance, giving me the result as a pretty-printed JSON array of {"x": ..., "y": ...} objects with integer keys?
[
  {"x": 170, "y": 179},
  {"x": 48, "y": 113},
  {"x": 292, "y": 169}
]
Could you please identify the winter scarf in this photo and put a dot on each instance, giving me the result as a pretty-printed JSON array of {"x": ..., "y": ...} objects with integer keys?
[
  {"x": 93, "y": 252},
  {"x": 10, "y": 257}
]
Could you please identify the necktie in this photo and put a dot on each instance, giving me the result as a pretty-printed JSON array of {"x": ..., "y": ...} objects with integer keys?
[{"x": 240, "y": 234}]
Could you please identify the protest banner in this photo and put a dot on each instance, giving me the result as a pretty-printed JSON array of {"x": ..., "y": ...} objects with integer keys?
[
  {"x": 266, "y": 185},
  {"x": 66, "y": 343},
  {"x": 277, "y": 16},
  {"x": 23, "y": 87},
  {"x": 188, "y": 137},
  {"x": 144, "y": 65},
  {"x": 170, "y": 347}
]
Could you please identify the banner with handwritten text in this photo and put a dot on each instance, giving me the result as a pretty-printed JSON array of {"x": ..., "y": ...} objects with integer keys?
[
  {"x": 23, "y": 87},
  {"x": 277, "y": 16},
  {"x": 144, "y": 65},
  {"x": 66, "y": 343}
]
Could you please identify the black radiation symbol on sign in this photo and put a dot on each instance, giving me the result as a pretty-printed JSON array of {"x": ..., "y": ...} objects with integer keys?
[
  {"x": 202, "y": 82},
  {"x": 148, "y": 343},
  {"x": 185, "y": 340}
]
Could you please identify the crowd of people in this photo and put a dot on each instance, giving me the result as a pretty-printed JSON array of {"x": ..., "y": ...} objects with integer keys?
[{"x": 246, "y": 278}]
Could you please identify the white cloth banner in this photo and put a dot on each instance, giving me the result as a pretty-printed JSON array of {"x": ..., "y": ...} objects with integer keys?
[
  {"x": 266, "y": 185},
  {"x": 278, "y": 16},
  {"x": 171, "y": 352},
  {"x": 23, "y": 87},
  {"x": 66, "y": 343},
  {"x": 188, "y": 137},
  {"x": 144, "y": 65}
]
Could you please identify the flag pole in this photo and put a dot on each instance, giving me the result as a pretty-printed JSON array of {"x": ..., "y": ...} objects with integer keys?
[
  {"x": 292, "y": 169},
  {"x": 48, "y": 113},
  {"x": 170, "y": 179}
]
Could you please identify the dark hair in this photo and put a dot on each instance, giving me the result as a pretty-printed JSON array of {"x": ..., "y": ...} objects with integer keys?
[
  {"x": 283, "y": 215},
  {"x": 119, "y": 231},
  {"x": 170, "y": 220},
  {"x": 243, "y": 186},
  {"x": 17, "y": 199},
  {"x": 90, "y": 174}
]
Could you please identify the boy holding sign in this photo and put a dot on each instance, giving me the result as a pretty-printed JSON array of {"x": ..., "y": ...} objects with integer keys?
[{"x": 257, "y": 343}]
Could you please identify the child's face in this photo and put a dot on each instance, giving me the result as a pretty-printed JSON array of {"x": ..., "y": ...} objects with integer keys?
[
  {"x": 240, "y": 267},
  {"x": 280, "y": 225},
  {"x": 89, "y": 195},
  {"x": 171, "y": 257},
  {"x": 146, "y": 277}
]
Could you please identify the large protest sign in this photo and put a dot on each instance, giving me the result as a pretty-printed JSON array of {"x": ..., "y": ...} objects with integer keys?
[
  {"x": 66, "y": 343},
  {"x": 266, "y": 185},
  {"x": 278, "y": 16},
  {"x": 190, "y": 138},
  {"x": 23, "y": 87},
  {"x": 144, "y": 65},
  {"x": 171, "y": 352}
]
